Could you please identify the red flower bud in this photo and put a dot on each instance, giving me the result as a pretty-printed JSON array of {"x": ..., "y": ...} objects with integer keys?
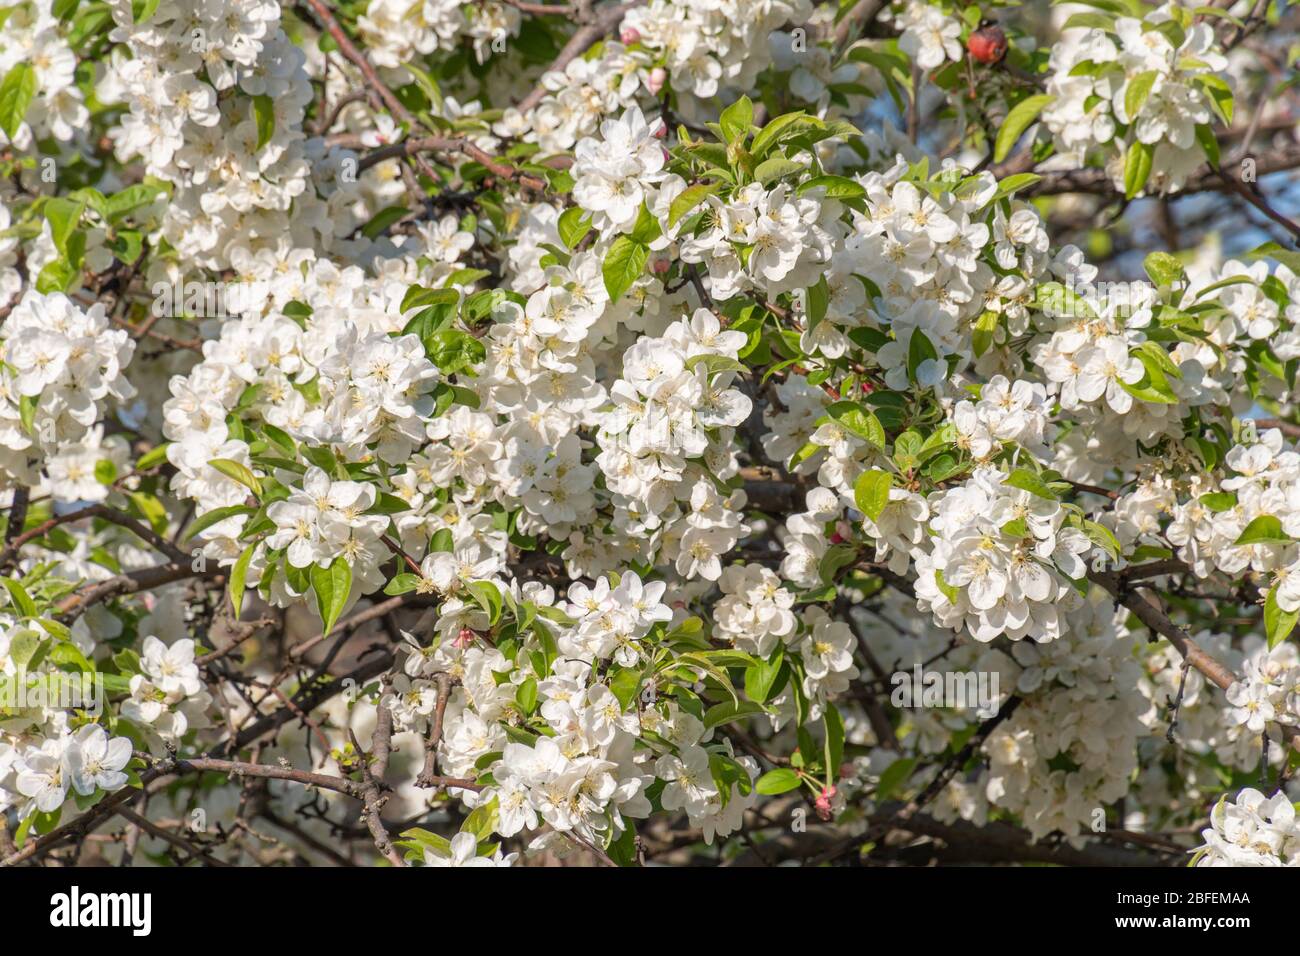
[{"x": 988, "y": 44}]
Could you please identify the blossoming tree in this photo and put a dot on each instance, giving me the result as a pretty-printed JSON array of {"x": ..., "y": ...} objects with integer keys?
[{"x": 485, "y": 433}]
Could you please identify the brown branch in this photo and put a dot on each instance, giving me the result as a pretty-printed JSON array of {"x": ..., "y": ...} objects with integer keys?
[
  {"x": 1154, "y": 618},
  {"x": 1097, "y": 182},
  {"x": 141, "y": 531},
  {"x": 199, "y": 853},
  {"x": 373, "y": 768},
  {"x": 853, "y": 22},
  {"x": 428, "y": 773},
  {"x": 452, "y": 144},
  {"x": 143, "y": 580},
  {"x": 586, "y": 36}
]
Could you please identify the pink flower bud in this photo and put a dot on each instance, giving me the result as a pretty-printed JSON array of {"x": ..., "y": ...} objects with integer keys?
[
  {"x": 464, "y": 639},
  {"x": 655, "y": 83},
  {"x": 661, "y": 267},
  {"x": 630, "y": 35},
  {"x": 823, "y": 803}
]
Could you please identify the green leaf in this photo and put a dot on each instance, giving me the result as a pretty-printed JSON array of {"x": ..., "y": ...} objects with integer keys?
[
  {"x": 728, "y": 711},
  {"x": 142, "y": 10},
  {"x": 871, "y": 492},
  {"x": 126, "y": 201},
  {"x": 774, "y": 168},
  {"x": 894, "y": 776},
  {"x": 454, "y": 351},
  {"x": 573, "y": 226},
  {"x": 488, "y": 598},
  {"x": 919, "y": 349},
  {"x": 1278, "y": 624},
  {"x": 1013, "y": 184},
  {"x": 1019, "y": 119},
  {"x": 819, "y": 297},
  {"x": 264, "y": 117},
  {"x": 781, "y": 780},
  {"x": 624, "y": 682},
  {"x": 1103, "y": 538},
  {"x": 646, "y": 228},
  {"x": 1209, "y": 143},
  {"x": 1137, "y": 168},
  {"x": 1026, "y": 480},
  {"x": 16, "y": 93},
  {"x": 1265, "y": 529},
  {"x": 779, "y": 129},
  {"x": 1217, "y": 501},
  {"x": 482, "y": 821},
  {"x": 402, "y": 584},
  {"x": 836, "y": 559},
  {"x": 63, "y": 216},
  {"x": 1164, "y": 269},
  {"x": 331, "y": 586},
  {"x": 624, "y": 264},
  {"x": 237, "y": 472},
  {"x": 19, "y": 598},
  {"x": 380, "y": 221},
  {"x": 837, "y": 187},
  {"x": 982, "y": 336},
  {"x": 237, "y": 578},
  {"x": 1138, "y": 89},
  {"x": 736, "y": 119},
  {"x": 859, "y": 421},
  {"x": 526, "y": 695},
  {"x": 1219, "y": 93},
  {"x": 687, "y": 200},
  {"x": 760, "y": 677},
  {"x": 216, "y": 515}
]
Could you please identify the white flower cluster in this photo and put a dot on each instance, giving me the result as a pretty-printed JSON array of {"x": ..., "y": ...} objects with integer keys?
[
  {"x": 587, "y": 774},
  {"x": 755, "y": 611},
  {"x": 231, "y": 187},
  {"x": 79, "y": 762},
  {"x": 929, "y": 36},
  {"x": 1205, "y": 719},
  {"x": 400, "y": 31},
  {"x": 1253, "y": 830},
  {"x": 1263, "y": 494},
  {"x": 578, "y": 98},
  {"x": 48, "y": 752},
  {"x": 697, "y": 48},
  {"x": 611, "y": 173},
  {"x": 33, "y": 38},
  {"x": 1006, "y": 411},
  {"x": 667, "y": 441},
  {"x": 1071, "y": 745},
  {"x": 1098, "y": 76},
  {"x": 335, "y": 380},
  {"x": 62, "y": 366},
  {"x": 707, "y": 46},
  {"x": 167, "y": 698},
  {"x": 1004, "y": 561},
  {"x": 771, "y": 240}
]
